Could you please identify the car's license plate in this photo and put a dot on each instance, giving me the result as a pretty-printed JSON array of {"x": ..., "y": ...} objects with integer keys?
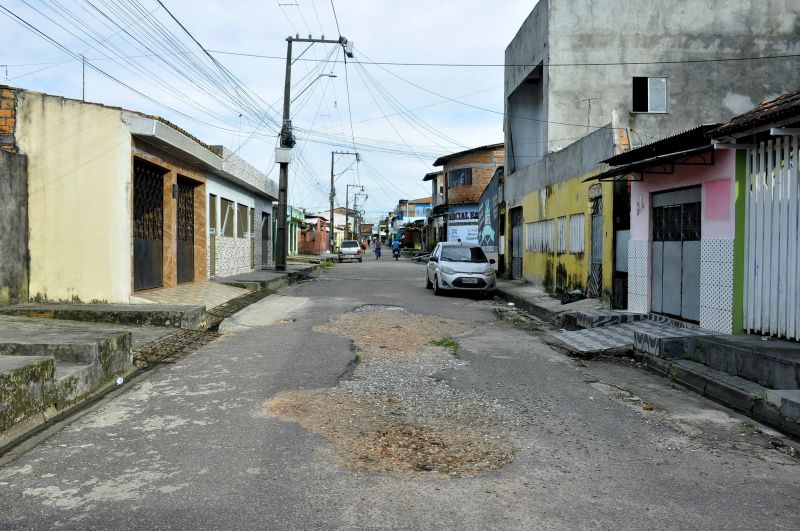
[{"x": 469, "y": 280}]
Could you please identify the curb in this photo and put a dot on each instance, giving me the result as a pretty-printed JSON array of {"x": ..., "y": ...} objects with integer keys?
[
  {"x": 734, "y": 392},
  {"x": 565, "y": 319}
]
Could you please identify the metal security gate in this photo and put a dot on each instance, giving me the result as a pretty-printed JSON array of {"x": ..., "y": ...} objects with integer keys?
[
  {"x": 596, "y": 265},
  {"x": 675, "y": 268},
  {"x": 516, "y": 242},
  {"x": 771, "y": 284},
  {"x": 185, "y": 231},
  {"x": 148, "y": 225}
]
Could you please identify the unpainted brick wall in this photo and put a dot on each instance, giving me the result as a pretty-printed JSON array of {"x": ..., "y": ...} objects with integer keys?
[
  {"x": 8, "y": 119},
  {"x": 486, "y": 163}
]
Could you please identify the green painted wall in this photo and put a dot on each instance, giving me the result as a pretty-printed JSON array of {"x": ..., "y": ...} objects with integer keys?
[{"x": 739, "y": 242}]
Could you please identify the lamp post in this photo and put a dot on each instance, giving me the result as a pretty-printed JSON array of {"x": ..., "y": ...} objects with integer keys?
[
  {"x": 287, "y": 141},
  {"x": 333, "y": 194}
]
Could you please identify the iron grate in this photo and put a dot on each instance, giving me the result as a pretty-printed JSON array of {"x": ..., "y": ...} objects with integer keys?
[{"x": 181, "y": 343}]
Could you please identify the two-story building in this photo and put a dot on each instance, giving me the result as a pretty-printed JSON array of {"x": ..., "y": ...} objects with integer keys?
[
  {"x": 594, "y": 86},
  {"x": 313, "y": 236},
  {"x": 466, "y": 174}
]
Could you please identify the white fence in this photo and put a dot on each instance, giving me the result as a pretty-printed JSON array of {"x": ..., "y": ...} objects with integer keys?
[{"x": 772, "y": 289}]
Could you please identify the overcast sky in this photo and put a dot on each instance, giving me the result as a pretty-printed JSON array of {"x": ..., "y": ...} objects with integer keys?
[{"x": 399, "y": 129}]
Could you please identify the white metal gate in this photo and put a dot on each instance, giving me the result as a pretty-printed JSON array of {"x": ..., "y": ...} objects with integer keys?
[{"x": 772, "y": 289}]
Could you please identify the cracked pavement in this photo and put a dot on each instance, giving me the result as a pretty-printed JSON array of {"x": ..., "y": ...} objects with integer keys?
[{"x": 191, "y": 446}]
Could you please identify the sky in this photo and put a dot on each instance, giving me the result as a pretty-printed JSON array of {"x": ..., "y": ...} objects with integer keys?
[{"x": 194, "y": 63}]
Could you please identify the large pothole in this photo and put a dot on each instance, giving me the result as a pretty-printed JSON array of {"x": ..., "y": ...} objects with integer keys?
[{"x": 396, "y": 415}]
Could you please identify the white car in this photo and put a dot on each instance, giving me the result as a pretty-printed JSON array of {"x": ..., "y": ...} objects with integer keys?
[
  {"x": 460, "y": 266},
  {"x": 350, "y": 250}
]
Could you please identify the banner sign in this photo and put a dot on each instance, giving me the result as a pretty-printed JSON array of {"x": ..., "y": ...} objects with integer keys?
[{"x": 462, "y": 224}]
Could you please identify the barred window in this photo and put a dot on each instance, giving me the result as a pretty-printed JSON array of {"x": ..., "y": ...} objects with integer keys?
[
  {"x": 460, "y": 177},
  {"x": 577, "y": 233},
  {"x": 539, "y": 236}
]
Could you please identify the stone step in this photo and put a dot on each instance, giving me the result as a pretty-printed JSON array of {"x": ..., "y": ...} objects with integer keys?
[
  {"x": 190, "y": 317},
  {"x": 601, "y": 317},
  {"x": 622, "y": 337},
  {"x": 663, "y": 339},
  {"x": 75, "y": 380}
]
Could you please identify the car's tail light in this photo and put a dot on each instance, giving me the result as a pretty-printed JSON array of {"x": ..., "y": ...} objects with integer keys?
[{"x": 358, "y": 251}]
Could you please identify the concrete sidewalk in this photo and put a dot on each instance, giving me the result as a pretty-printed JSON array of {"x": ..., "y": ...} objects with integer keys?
[
  {"x": 541, "y": 304},
  {"x": 758, "y": 378}
]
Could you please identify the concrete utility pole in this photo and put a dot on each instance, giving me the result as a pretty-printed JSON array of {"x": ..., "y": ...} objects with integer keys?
[
  {"x": 283, "y": 153},
  {"x": 347, "y": 207},
  {"x": 333, "y": 194}
]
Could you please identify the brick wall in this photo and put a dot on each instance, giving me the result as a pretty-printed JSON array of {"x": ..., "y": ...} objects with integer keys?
[
  {"x": 483, "y": 166},
  {"x": 8, "y": 120}
]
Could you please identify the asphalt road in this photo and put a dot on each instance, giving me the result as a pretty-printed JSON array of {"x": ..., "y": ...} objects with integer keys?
[{"x": 192, "y": 447}]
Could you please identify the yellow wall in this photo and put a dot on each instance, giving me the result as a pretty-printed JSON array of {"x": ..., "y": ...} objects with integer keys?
[
  {"x": 564, "y": 199},
  {"x": 79, "y": 182}
]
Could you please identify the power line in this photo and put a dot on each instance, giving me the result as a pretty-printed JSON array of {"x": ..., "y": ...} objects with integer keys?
[
  {"x": 544, "y": 65},
  {"x": 337, "y": 21}
]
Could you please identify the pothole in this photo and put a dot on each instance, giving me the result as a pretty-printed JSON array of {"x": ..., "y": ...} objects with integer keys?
[
  {"x": 368, "y": 308},
  {"x": 394, "y": 415}
]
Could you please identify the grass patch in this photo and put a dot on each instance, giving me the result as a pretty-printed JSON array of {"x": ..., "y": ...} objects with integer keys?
[
  {"x": 326, "y": 263},
  {"x": 449, "y": 344}
]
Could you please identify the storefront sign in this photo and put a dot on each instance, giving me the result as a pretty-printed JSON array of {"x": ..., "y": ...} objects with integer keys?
[{"x": 462, "y": 224}]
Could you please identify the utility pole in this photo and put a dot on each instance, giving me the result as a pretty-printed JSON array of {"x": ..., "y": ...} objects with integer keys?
[
  {"x": 287, "y": 141},
  {"x": 83, "y": 78},
  {"x": 347, "y": 206},
  {"x": 333, "y": 194}
]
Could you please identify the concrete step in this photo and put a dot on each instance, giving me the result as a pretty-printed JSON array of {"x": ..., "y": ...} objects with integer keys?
[
  {"x": 642, "y": 334},
  {"x": 772, "y": 363},
  {"x": 73, "y": 381},
  {"x": 778, "y": 408},
  {"x": 190, "y": 317},
  {"x": 24, "y": 385},
  {"x": 663, "y": 339},
  {"x": 601, "y": 317}
]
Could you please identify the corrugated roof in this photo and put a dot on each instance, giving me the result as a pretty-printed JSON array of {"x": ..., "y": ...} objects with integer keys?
[
  {"x": 441, "y": 161},
  {"x": 786, "y": 106},
  {"x": 691, "y": 138}
]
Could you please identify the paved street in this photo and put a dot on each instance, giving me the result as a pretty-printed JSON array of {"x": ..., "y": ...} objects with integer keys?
[{"x": 202, "y": 444}]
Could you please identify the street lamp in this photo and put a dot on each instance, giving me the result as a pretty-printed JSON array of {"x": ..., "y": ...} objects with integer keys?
[
  {"x": 287, "y": 141},
  {"x": 309, "y": 85}
]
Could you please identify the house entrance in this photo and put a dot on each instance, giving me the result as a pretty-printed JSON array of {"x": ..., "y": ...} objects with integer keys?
[
  {"x": 596, "y": 264},
  {"x": 185, "y": 230},
  {"x": 675, "y": 269},
  {"x": 516, "y": 242},
  {"x": 148, "y": 225}
]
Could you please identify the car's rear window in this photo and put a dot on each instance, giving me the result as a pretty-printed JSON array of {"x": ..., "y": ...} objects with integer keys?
[
  {"x": 350, "y": 243},
  {"x": 463, "y": 254}
]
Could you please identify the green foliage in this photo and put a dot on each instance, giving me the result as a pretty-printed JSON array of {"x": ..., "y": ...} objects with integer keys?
[{"x": 449, "y": 344}]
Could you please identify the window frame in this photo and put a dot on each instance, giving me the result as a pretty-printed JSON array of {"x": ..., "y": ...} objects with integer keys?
[
  {"x": 649, "y": 107},
  {"x": 466, "y": 177},
  {"x": 227, "y": 230}
]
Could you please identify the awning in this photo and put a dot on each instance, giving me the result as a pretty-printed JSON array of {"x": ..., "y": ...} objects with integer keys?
[{"x": 660, "y": 165}]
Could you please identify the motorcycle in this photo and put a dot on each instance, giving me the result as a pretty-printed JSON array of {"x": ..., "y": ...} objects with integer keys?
[{"x": 396, "y": 254}]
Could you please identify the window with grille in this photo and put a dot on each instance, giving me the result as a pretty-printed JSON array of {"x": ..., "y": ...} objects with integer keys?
[
  {"x": 227, "y": 217},
  {"x": 577, "y": 233},
  {"x": 561, "y": 234},
  {"x": 212, "y": 214},
  {"x": 539, "y": 236}
]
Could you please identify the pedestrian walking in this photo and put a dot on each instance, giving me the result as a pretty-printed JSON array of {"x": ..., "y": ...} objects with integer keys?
[{"x": 377, "y": 249}]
